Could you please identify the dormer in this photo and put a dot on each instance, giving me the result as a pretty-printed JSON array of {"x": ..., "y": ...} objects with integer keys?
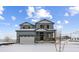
[
  {"x": 44, "y": 24},
  {"x": 26, "y": 25}
]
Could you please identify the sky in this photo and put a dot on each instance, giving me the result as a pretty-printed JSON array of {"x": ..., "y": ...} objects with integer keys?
[{"x": 66, "y": 18}]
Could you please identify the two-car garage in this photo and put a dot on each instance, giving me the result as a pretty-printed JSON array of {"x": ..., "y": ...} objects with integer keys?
[
  {"x": 26, "y": 40},
  {"x": 26, "y": 36}
]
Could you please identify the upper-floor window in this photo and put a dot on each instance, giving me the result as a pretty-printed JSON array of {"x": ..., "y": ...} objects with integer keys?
[
  {"x": 41, "y": 26},
  {"x": 28, "y": 27},
  {"x": 47, "y": 26},
  {"x": 23, "y": 27}
]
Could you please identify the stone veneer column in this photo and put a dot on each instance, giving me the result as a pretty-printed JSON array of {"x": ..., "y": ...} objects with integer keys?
[
  {"x": 55, "y": 35},
  {"x": 18, "y": 39}
]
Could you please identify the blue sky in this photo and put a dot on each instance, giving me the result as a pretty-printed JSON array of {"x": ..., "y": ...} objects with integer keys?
[{"x": 65, "y": 17}]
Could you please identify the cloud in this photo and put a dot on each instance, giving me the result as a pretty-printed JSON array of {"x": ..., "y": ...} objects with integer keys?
[
  {"x": 59, "y": 26},
  {"x": 38, "y": 7},
  {"x": 16, "y": 25},
  {"x": 66, "y": 14},
  {"x": 20, "y": 11},
  {"x": 43, "y": 13},
  {"x": 66, "y": 21},
  {"x": 36, "y": 13},
  {"x": 30, "y": 11},
  {"x": 34, "y": 20},
  {"x": 13, "y": 18},
  {"x": 1, "y": 10},
  {"x": 58, "y": 22},
  {"x": 73, "y": 10},
  {"x": 1, "y": 18}
]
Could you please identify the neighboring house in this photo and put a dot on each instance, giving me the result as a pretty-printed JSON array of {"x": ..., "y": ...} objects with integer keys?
[
  {"x": 65, "y": 37},
  {"x": 42, "y": 31}
]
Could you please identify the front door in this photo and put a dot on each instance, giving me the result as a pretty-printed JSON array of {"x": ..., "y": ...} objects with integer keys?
[{"x": 41, "y": 36}]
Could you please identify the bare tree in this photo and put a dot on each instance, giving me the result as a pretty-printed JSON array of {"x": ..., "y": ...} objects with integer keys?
[
  {"x": 7, "y": 39},
  {"x": 60, "y": 44}
]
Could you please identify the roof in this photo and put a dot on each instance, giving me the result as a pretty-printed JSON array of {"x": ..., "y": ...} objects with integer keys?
[
  {"x": 26, "y": 23},
  {"x": 26, "y": 30},
  {"x": 41, "y": 30},
  {"x": 45, "y": 21}
]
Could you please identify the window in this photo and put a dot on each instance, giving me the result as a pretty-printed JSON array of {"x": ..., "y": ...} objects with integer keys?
[
  {"x": 47, "y": 26},
  {"x": 41, "y": 26},
  {"x": 41, "y": 33},
  {"x": 49, "y": 35},
  {"x": 23, "y": 27},
  {"x": 28, "y": 27}
]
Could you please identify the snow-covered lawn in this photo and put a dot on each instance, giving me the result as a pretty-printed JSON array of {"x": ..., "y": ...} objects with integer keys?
[
  {"x": 41, "y": 47},
  {"x": 28, "y": 48},
  {"x": 72, "y": 47}
]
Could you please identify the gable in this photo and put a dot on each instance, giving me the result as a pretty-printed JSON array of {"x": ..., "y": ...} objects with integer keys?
[
  {"x": 25, "y": 23},
  {"x": 44, "y": 21}
]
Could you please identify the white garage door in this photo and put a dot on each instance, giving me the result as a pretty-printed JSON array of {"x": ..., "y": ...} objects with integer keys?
[{"x": 27, "y": 40}]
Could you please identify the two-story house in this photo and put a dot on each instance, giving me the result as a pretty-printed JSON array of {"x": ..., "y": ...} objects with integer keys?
[{"x": 42, "y": 31}]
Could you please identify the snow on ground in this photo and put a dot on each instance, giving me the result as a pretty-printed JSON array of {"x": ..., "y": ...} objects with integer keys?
[
  {"x": 28, "y": 48},
  {"x": 41, "y": 47},
  {"x": 72, "y": 47}
]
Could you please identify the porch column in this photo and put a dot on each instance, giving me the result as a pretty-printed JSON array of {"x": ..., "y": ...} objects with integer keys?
[
  {"x": 18, "y": 39},
  {"x": 45, "y": 36},
  {"x": 55, "y": 35}
]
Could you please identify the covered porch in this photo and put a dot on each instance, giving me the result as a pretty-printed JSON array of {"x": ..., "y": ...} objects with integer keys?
[{"x": 45, "y": 36}]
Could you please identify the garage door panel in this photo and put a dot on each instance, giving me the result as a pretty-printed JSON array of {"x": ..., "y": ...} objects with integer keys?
[{"x": 27, "y": 40}]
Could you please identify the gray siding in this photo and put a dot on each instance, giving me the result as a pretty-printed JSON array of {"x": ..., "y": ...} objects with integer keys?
[
  {"x": 25, "y": 33},
  {"x": 27, "y": 27},
  {"x": 45, "y": 25},
  {"x": 44, "y": 21}
]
